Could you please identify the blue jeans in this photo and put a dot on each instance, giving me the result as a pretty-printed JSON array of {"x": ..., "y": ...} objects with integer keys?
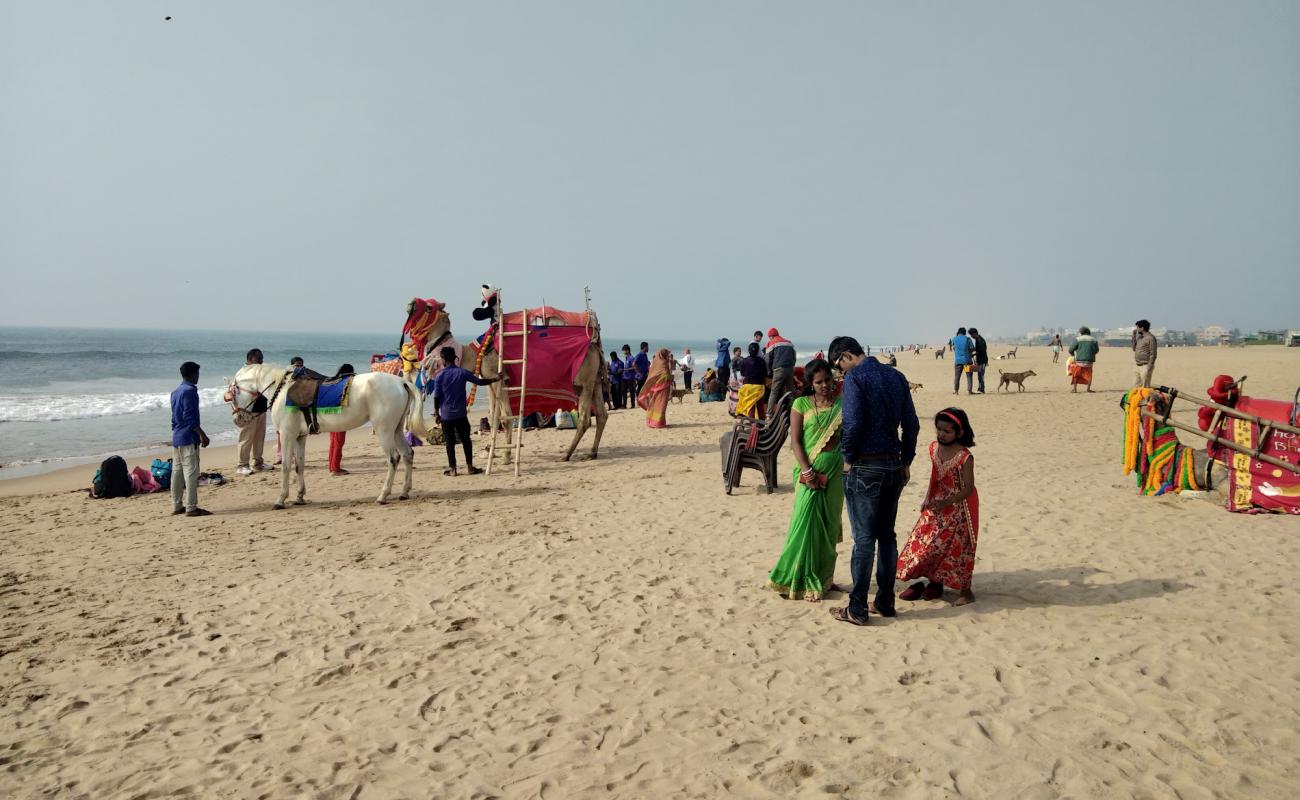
[
  {"x": 979, "y": 370},
  {"x": 871, "y": 491}
]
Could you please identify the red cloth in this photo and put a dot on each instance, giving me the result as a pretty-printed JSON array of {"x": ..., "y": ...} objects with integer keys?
[
  {"x": 337, "y": 438},
  {"x": 555, "y": 354},
  {"x": 543, "y": 317},
  {"x": 1252, "y": 484},
  {"x": 419, "y": 322}
]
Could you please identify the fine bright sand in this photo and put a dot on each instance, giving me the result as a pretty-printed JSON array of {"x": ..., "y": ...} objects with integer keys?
[{"x": 601, "y": 629}]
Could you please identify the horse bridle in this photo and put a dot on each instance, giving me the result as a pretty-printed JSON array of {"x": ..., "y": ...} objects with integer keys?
[{"x": 237, "y": 390}]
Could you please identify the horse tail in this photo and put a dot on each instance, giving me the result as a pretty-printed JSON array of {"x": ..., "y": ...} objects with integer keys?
[{"x": 415, "y": 419}]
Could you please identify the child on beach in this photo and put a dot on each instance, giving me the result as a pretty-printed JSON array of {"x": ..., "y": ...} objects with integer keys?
[{"x": 942, "y": 545}]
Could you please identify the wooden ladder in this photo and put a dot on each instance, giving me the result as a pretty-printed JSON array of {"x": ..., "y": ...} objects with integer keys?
[{"x": 502, "y": 362}]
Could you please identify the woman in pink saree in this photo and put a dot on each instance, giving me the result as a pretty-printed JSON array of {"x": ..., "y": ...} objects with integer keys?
[{"x": 657, "y": 390}]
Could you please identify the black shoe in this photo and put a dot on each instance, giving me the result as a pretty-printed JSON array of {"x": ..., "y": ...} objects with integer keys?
[
  {"x": 198, "y": 512},
  {"x": 176, "y": 511}
]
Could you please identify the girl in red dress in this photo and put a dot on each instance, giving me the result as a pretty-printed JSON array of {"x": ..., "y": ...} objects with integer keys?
[{"x": 942, "y": 545}]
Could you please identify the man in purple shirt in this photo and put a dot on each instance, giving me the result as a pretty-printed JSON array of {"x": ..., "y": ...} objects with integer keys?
[
  {"x": 187, "y": 438},
  {"x": 876, "y": 403},
  {"x": 449, "y": 401}
]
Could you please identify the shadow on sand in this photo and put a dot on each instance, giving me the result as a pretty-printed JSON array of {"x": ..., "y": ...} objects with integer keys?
[{"x": 1037, "y": 588}]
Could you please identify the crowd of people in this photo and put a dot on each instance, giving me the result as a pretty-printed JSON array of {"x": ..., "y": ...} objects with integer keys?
[{"x": 853, "y": 435}]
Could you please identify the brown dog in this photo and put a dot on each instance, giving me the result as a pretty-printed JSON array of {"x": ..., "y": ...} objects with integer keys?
[
  {"x": 1018, "y": 378},
  {"x": 679, "y": 395},
  {"x": 914, "y": 386}
]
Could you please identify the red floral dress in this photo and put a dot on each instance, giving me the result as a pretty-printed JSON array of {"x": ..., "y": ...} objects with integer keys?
[{"x": 942, "y": 545}]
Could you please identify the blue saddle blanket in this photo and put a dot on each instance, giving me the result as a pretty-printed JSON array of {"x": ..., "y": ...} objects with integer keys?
[{"x": 331, "y": 397}]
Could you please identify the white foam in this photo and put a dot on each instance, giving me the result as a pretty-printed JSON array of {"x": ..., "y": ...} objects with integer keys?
[{"x": 50, "y": 408}]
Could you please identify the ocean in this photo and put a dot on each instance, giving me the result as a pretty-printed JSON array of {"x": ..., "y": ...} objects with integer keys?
[{"x": 77, "y": 395}]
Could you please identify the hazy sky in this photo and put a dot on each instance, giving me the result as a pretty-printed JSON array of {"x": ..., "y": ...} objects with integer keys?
[{"x": 881, "y": 168}]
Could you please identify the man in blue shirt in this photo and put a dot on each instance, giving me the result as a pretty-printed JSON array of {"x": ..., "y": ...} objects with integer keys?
[
  {"x": 615, "y": 379},
  {"x": 642, "y": 364},
  {"x": 875, "y": 405},
  {"x": 629, "y": 378},
  {"x": 187, "y": 438},
  {"x": 449, "y": 401},
  {"x": 962, "y": 351}
]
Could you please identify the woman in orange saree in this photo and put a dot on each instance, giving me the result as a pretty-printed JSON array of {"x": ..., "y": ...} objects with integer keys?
[{"x": 657, "y": 390}]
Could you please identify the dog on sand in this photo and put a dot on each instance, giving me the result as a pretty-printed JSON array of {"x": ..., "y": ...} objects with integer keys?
[
  {"x": 679, "y": 395},
  {"x": 1018, "y": 378},
  {"x": 914, "y": 386}
]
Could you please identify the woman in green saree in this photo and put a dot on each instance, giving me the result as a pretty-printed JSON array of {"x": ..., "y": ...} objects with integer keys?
[{"x": 807, "y": 563}]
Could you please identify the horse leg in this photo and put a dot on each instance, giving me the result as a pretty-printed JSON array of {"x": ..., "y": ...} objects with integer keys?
[
  {"x": 388, "y": 441},
  {"x": 300, "y": 455},
  {"x": 286, "y": 460},
  {"x": 407, "y": 454}
]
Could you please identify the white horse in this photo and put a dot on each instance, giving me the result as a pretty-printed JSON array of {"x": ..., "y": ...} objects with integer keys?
[{"x": 386, "y": 401}]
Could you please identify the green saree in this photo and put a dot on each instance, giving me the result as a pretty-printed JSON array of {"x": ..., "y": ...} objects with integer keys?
[{"x": 807, "y": 563}]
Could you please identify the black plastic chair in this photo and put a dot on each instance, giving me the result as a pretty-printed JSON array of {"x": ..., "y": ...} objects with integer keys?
[{"x": 768, "y": 437}]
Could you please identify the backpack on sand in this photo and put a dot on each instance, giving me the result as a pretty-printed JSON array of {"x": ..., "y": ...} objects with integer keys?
[{"x": 113, "y": 479}]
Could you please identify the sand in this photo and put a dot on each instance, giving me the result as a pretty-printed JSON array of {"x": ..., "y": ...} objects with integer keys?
[{"x": 601, "y": 629}]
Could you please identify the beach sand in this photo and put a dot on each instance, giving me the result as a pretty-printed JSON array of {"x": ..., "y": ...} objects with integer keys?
[{"x": 602, "y": 629}]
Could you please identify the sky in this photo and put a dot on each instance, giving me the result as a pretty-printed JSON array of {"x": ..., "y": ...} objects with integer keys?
[{"x": 888, "y": 170}]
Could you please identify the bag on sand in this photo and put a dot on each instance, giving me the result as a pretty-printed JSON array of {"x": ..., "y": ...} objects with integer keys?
[
  {"x": 162, "y": 472},
  {"x": 113, "y": 479}
]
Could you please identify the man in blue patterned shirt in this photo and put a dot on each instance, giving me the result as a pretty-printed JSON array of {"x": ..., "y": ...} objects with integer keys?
[{"x": 876, "y": 404}]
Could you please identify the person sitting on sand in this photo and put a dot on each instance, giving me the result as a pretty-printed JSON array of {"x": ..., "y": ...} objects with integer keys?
[
  {"x": 807, "y": 562},
  {"x": 449, "y": 402},
  {"x": 942, "y": 546}
]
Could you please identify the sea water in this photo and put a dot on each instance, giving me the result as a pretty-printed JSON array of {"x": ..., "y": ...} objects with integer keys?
[{"x": 77, "y": 395}]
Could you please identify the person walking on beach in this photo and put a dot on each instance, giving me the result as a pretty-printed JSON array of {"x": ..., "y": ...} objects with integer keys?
[
  {"x": 641, "y": 365},
  {"x": 722, "y": 363},
  {"x": 629, "y": 378},
  {"x": 449, "y": 402},
  {"x": 187, "y": 438},
  {"x": 1144, "y": 353},
  {"x": 337, "y": 438},
  {"x": 981, "y": 359},
  {"x": 657, "y": 390},
  {"x": 1084, "y": 350},
  {"x": 941, "y": 548},
  {"x": 780, "y": 365},
  {"x": 1056, "y": 346},
  {"x": 962, "y": 350},
  {"x": 876, "y": 405},
  {"x": 252, "y": 437},
  {"x": 687, "y": 364},
  {"x": 615, "y": 379},
  {"x": 807, "y": 562}
]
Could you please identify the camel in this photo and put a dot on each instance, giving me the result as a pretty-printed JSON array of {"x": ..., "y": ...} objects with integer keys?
[
  {"x": 588, "y": 383},
  {"x": 386, "y": 401}
]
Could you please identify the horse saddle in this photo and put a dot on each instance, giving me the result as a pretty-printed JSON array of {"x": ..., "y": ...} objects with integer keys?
[{"x": 304, "y": 390}]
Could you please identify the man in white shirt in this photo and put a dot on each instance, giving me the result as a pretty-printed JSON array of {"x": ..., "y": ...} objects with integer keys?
[{"x": 687, "y": 363}]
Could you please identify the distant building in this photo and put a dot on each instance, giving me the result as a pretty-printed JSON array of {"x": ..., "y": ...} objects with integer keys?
[
  {"x": 1271, "y": 336},
  {"x": 1293, "y": 338},
  {"x": 1212, "y": 335}
]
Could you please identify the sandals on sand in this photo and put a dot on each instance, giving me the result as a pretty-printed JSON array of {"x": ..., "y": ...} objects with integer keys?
[
  {"x": 933, "y": 592},
  {"x": 842, "y": 614}
]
